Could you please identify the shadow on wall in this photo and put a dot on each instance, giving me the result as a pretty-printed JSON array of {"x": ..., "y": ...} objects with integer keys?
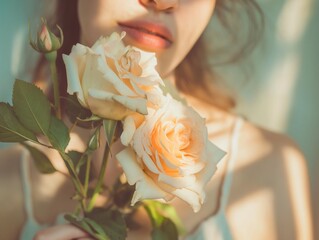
[
  {"x": 294, "y": 83},
  {"x": 304, "y": 116}
]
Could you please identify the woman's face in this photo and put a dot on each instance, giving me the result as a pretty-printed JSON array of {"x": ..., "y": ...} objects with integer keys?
[{"x": 168, "y": 27}]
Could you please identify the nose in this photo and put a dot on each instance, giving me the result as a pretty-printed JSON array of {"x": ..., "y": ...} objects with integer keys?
[{"x": 160, "y": 5}]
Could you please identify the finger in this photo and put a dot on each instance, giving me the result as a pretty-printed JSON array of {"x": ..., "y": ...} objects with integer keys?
[{"x": 61, "y": 232}]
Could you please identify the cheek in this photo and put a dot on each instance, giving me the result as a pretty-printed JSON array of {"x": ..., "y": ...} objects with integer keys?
[
  {"x": 195, "y": 14},
  {"x": 94, "y": 20},
  {"x": 192, "y": 21},
  {"x": 87, "y": 20}
]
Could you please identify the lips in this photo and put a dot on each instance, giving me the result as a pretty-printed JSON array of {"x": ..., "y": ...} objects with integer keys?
[{"x": 148, "y": 34}]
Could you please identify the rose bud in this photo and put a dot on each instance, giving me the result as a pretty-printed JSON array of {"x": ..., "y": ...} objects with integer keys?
[{"x": 46, "y": 41}]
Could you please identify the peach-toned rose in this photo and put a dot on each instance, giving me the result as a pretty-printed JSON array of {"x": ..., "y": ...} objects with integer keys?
[
  {"x": 111, "y": 79},
  {"x": 170, "y": 155}
]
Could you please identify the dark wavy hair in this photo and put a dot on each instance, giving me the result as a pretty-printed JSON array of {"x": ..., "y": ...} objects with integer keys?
[{"x": 241, "y": 20}]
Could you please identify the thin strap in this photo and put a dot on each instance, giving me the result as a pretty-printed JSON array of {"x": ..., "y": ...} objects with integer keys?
[
  {"x": 231, "y": 162},
  {"x": 31, "y": 226},
  {"x": 26, "y": 184}
]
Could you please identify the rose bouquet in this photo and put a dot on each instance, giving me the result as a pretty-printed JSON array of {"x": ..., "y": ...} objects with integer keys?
[{"x": 165, "y": 148}]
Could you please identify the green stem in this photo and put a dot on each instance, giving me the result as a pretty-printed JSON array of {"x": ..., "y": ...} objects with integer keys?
[
  {"x": 87, "y": 175},
  {"x": 56, "y": 92},
  {"x": 73, "y": 173},
  {"x": 83, "y": 205},
  {"x": 98, "y": 187},
  {"x": 86, "y": 183}
]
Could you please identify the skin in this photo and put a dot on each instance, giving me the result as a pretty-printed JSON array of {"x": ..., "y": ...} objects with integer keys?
[
  {"x": 100, "y": 18},
  {"x": 270, "y": 189}
]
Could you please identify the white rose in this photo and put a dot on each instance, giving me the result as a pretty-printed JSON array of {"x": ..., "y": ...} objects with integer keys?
[
  {"x": 170, "y": 155},
  {"x": 111, "y": 79}
]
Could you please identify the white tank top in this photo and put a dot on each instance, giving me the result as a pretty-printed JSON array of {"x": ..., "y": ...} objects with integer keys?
[
  {"x": 215, "y": 227},
  {"x": 31, "y": 226}
]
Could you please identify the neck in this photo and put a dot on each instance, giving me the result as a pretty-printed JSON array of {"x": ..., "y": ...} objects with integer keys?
[{"x": 206, "y": 110}]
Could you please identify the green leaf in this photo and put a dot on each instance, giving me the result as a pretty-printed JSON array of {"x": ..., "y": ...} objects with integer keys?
[
  {"x": 151, "y": 208},
  {"x": 75, "y": 112},
  {"x": 94, "y": 142},
  {"x": 75, "y": 156},
  {"x": 98, "y": 229},
  {"x": 11, "y": 130},
  {"x": 58, "y": 134},
  {"x": 158, "y": 212},
  {"x": 112, "y": 222},
  {"x": 167, "y": 231},
  {"x": 69, "y": 163},
  {"x": 101, "y": 223},
  {"x": 109, "y": 129},
  {"x": 31, "y": 107},
  {"x": 158, "y": 234},
  {"x": 70, "y": 166},
  {"x": 79, "y": 159},
  {"x": 170, "y": 212},
  {"x": 41, "y": 161},
  {"x": 84, "y": 225}
]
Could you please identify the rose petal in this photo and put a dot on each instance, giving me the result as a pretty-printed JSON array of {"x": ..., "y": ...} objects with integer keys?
[
  {"x": 155, "y": 96},
  {"x": 214, "y": 155},
  {"x": 128, "y": 130},
  {"x": 147, "y": 81},
  {"x": 138, "y": 90},
  {"x": 148, "y": 59},
  {"x": 107, "y": 109},
  {"x": 191, "y": 169},
  {"x": 74, "y": 82},
  {"x": 149, "y": 163},
  {"x": 177, "y": 182},
  {"x": 100, "y": 94},
  {"x": 158, "y": 162},
  {"x": 190, "y": 197},
  {"x": 117, "y": 83},
  {"x": 90, "y": 73},
  {"x": 132, "y": 170},
  {"x": 145, "y": 187},
  {"x": 113, "y": 45},
  {"x": 168, "y": 163},
  {"x": 135, "y": 104}
]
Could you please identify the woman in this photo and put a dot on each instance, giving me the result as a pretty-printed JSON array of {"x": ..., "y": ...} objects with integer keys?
[{"x": 260, "y": 190}]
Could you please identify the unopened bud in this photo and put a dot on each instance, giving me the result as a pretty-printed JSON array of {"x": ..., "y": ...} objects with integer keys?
[{"x": 46, "y": 41}]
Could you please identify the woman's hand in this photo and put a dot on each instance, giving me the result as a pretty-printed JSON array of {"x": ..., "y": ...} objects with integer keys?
[{"x": 62, "y": 232}]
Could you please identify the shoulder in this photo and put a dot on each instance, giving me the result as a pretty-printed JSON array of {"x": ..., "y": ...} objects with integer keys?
[
  {"x": 273, "y": 159},
  {"x": 268, "y": 145},
  {"x": 271, "y": 166}
]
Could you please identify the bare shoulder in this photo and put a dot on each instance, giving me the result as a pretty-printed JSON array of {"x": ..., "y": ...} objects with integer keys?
[
  {"x": 271, "y": 174},
  {"x": 11, "y": 194},
  {"x": 269, "y": 145}
]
